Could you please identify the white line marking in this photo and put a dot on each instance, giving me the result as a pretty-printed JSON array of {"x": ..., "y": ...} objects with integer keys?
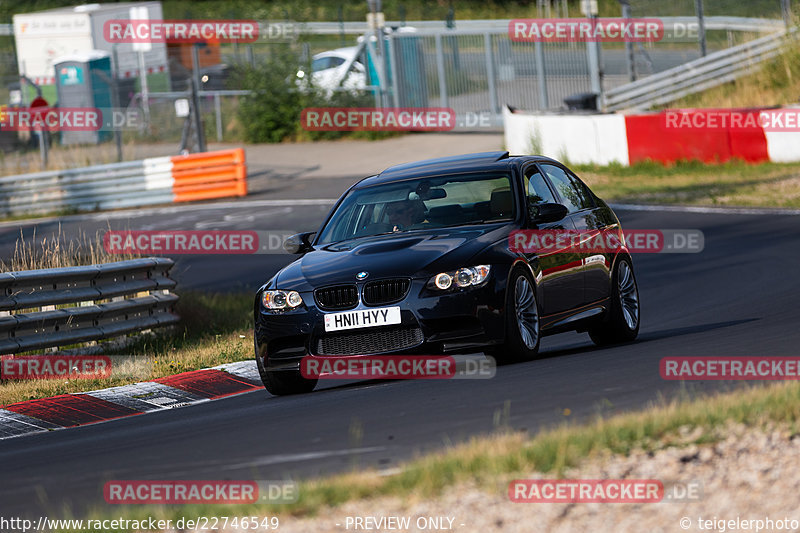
[
  {"x": 295, "y": 457},
  {"x": 151, "y": 211}
]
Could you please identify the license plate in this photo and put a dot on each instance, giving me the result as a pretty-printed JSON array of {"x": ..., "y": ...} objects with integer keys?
[{"x": 362, "y": 318}]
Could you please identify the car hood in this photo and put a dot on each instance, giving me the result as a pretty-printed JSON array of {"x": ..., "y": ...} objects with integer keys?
[{"x": 412, "y": 254}]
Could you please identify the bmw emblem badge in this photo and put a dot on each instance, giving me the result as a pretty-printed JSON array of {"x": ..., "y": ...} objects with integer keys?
[{"x": 362, "y": 275}]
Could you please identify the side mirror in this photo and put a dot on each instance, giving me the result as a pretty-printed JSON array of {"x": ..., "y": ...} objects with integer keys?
[
  {"x": 547, "y": 212},
  {"x": 299, "y": 243}
]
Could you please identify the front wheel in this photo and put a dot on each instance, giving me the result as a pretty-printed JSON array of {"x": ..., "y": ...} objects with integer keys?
[
  {"x": 622, "y": 322},
  {"x": 284, "y": 382},
  {"x": 522, "y": 320}
]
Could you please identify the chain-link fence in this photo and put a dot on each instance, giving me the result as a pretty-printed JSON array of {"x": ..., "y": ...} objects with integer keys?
[{"x": 473, "y": 67}]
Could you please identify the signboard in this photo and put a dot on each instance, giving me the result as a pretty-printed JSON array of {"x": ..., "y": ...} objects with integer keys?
[{"x": 140, "y": 13}]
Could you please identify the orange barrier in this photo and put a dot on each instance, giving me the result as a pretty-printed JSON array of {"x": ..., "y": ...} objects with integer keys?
[{"x": 209, "y": 175}]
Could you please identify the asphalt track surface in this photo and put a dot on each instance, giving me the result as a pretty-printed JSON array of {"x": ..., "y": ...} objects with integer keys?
[{"x": 738, "y": 297}]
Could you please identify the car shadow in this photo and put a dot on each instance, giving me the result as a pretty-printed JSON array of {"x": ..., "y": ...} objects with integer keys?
[
  {"x": 649, "y": 336},
  {"x": 548, "y": 354}
]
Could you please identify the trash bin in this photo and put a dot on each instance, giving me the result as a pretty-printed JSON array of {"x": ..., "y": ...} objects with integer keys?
[{"x": 581, "y": 101}]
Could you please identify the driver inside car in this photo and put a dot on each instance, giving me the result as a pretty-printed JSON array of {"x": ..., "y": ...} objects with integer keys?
[{"x": 405, "y": 214}]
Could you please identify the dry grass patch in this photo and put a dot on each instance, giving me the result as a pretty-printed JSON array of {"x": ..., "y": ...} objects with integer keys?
[{"x": 733, "y": 183}]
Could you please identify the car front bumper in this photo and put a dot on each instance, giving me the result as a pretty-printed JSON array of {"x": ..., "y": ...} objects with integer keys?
[{"x": 432, "y": 322}]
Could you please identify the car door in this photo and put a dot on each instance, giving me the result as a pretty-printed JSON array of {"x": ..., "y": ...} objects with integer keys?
[
  {"x": 598, "y": 259},
  {"x": 561, "y": 283},
  {"x": 570, "y": 196}
]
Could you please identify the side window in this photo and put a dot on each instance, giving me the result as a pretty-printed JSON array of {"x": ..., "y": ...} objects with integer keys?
[
  {"x": 536, "y": 188},
  {"x": 587, "y": 200},
  {"x": 572, "y": 192}
]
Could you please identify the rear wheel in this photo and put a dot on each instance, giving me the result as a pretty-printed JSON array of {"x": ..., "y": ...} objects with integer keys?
[
  {"x": 284, "y": 382},
  {"x": 622, "y": 322},
  {"x": 522, "y": 321}
]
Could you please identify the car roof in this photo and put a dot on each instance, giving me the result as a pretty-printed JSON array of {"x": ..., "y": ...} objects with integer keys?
[
  {"x": 347, "y": 53},
  {"x": 476, "y": 162}
]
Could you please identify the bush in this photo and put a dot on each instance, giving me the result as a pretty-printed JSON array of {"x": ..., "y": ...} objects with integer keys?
[{"x": 271, "y": 113}]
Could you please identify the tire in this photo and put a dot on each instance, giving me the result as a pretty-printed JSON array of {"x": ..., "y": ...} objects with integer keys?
[
  {"x": 523, "y": 331},
  {"x": 624, "y": 315},
  {"x": 284, "y": 382}
]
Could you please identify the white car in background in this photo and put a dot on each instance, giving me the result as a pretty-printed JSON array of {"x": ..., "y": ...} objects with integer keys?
[{"x": 336, "y": 68}]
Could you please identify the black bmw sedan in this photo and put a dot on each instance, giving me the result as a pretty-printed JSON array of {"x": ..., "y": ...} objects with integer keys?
[{"x": 420, "y": 259}]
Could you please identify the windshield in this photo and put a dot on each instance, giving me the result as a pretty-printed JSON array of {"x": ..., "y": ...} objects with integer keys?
[{"x": 422, "y": 203}]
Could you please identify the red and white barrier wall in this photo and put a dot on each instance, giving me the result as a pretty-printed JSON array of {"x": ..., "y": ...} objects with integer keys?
[{"x": 628, "y": 139}]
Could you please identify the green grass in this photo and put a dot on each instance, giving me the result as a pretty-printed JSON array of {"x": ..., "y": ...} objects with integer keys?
[{"x": 733, "y": 183}]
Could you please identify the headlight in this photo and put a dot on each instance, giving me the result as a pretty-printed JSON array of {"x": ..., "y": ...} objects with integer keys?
[
  {"x": 463, "y": 277},
  {"x": 277, "y": 300},
  {"x": 443, "y": 281}
]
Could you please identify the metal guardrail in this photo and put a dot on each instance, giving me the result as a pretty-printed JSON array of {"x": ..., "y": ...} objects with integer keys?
[
  {"x": 695, "y": 76},
  {"x": 153, "y": 181},
  {"x": 139, "y": 290},
  {"x": 128, "y": 184}
]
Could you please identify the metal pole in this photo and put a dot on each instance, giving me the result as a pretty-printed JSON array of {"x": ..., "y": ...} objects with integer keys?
[
  {"x": 487, "y": 46},
  {"x": 381, "y": 62},
  {"x": 786, "y": 10},
  {"x": 196, "y": 66},
  {"x": 145, "y": 92},
  {"x": 441, "y": 72},
  {"x": 115, "y": 88},
  {"x": 701, "y": 34},
  {"x": 251, "y": 58},
  {"x": 23, "y": 89},
  {"x": 393, "y": 71},
  {"x": 630, "y": 59},
  {"x": 594, "y": 63},
  {"x": 198, "y": 120},
  {"x": 541, "y": 75},
  {"x": 43, "y": 146},
  {"x": 218, "y": 116}
]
